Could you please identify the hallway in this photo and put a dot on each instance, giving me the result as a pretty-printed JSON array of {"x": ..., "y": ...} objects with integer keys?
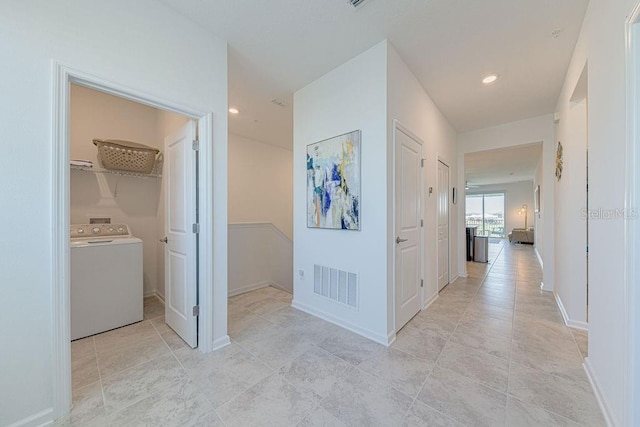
[{"x": 492, "y": 350}]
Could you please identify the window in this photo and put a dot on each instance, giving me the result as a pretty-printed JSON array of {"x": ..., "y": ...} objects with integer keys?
[{"x": 486, "y": 211}]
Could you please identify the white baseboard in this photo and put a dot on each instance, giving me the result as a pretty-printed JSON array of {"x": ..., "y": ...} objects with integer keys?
[
  {"x": 430, "y": 301},
  {"x": 380, "y": 339},
  {"x": 279, "y": 287},
  {"x": 456, "y": 277},
  {"x": 248, "y": 288},
  {"x": 539, "y": 257},
  {"x": 463, "y": 274},
  {"x": 602, "y": 402},
  {"x": 154, "y": 294},
  {"x": 391, "y": 338},
  {"x": 570, "y": 323},
  {"x": 220, "y": 343},
  {"x": 41, "y": 418}
]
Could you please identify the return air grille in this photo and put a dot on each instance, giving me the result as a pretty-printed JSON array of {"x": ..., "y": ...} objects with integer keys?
[
  {"x": 338, "y": 285},
  {"x": 356, "y": 3}
]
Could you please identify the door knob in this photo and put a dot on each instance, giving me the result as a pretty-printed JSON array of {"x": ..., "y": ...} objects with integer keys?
[
  {"x": 165, "y": 240},
  {"x": 399, "y": 240}
]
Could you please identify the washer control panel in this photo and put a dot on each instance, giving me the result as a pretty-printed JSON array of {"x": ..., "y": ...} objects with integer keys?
[{"x": 79, "y": 231}]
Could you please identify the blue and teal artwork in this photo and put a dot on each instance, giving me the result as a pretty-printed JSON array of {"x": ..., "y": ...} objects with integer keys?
[{"x": 333, "y": 183}]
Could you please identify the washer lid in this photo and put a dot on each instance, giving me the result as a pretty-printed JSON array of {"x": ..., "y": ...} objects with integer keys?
[{"x": 103, "y": 241}]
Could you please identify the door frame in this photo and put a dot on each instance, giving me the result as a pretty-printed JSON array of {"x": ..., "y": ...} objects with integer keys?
[
  {"x": 444, "y": 162},
  {"x": 63, "y": 77},
  {"x": 397, "y": 126},
  {"x": 632, "y": 229}
]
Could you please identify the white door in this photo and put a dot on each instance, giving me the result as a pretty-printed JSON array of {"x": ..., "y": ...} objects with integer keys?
[
  {"x": 181, "y": 239},
  {"x": 408, "y": 241},
  {"x": 443, "y": 225}
]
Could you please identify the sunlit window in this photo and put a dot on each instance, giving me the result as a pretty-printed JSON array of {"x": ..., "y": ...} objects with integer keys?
[{"x": 486, "y": 211}]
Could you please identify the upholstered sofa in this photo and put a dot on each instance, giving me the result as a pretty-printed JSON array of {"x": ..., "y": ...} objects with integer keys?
[{"x": 520, "y": 235}]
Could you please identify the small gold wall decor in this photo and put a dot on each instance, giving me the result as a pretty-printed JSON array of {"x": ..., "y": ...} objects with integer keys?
[{"x": 559, "y": 161}]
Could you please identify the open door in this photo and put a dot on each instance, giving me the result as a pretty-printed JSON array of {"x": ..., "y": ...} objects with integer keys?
[
  {"x": 181, "y": 238},
  {"x": 408, "y": 223}
]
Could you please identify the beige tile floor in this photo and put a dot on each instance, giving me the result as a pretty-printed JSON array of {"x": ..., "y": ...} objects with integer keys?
[{"x": 492, "y": 350}]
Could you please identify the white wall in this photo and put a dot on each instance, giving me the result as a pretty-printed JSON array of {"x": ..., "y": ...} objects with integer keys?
[
  {"x": 602, "y": 45},
  {"x": 260, "y": 183},
  {"x": 259, "y": 255},
  {"x": 413, "y": 108},
  {"x": 516, "y": 194},
  {"x": 335, "y": 104},
  {"x": 570, "y": 219},
  {"x": 536, "y": 129},
  {"x": 139, "y": 44},
  {"x": 138, "y": 202}
]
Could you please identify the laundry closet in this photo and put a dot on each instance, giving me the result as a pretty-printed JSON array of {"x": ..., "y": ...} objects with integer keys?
[{"x": 109, "y": 203}]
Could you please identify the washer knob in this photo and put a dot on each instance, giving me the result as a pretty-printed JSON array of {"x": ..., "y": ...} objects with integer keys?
[
  {"x": 80, "y": 230},
  {"x": 95, "y": 230},
  {"x": 111, "y": 229},
  {"x": 121, "y": 229}
]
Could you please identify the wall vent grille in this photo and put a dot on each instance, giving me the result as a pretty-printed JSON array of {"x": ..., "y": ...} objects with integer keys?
[
  {"x": 338, "y": 285},
  {"x": 356, "y": 3}
]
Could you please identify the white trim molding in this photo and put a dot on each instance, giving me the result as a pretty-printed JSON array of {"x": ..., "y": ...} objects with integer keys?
[
  {"x": 632, "y": 229},
  {"x": 60, "y": 250},
  {"x": 576, "y": 324},
  {"x": 380, "y": 339},
  {"x": 595, "y": 386},
  {"x": 539, "y": 257},
  {"x": 37, "y": 419},
  {"x": 249, "y": 288},
  {"x": 63, "y": 77},
  {"x": 430, "y": 301}
]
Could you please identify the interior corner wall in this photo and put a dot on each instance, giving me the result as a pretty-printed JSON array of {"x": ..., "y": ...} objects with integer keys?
[
  {"x": 260, "y": 183},
  {"x": 142, "y": 45},
  {"x": 516, "y": 194},
  {"x": 410, "y": 104},
  {"x": 333, "y": 105},
  {"x": 527, "y": 131},
  {"x": 602, "y": 45}
]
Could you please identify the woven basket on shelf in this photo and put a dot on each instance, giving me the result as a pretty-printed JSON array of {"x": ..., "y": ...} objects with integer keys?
[{"x": 126, "y": 155}]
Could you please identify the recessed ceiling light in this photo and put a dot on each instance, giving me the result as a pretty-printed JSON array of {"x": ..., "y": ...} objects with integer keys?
[
  {"x": 491, "y": 78},
  {"x": 234, "y": 110}
]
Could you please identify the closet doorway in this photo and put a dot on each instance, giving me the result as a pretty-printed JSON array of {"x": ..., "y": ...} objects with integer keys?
[
  {"x": 168, "y": 208},
  {"x": 134, "y": 220}
]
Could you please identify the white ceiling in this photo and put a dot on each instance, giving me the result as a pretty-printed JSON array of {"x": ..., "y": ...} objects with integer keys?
[
  {"x": 278, "y": 46},
  {"x": 501, "y": 166}
]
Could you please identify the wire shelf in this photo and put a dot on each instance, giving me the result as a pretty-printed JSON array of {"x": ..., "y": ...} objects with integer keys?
[{"x": 116, "y": 172}]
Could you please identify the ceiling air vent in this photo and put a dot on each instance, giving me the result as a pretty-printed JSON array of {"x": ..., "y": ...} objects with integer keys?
[{"x": 356, "y": 3}]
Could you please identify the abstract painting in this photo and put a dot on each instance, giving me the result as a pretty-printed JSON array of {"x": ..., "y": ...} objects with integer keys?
[{"x": 333, "y": 183}]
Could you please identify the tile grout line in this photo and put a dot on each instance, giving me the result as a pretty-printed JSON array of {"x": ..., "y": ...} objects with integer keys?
[
  {"x": 104, "y": 399},
  {"x": 448, "y": 340},
  {"x": 513, "y": 324},
  {"x": 535, "y": 369},
  {"x": 186, "y": 372}
]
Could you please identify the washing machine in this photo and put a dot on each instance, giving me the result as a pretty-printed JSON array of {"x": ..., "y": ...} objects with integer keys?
[{"x": 106, "y": 278}]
